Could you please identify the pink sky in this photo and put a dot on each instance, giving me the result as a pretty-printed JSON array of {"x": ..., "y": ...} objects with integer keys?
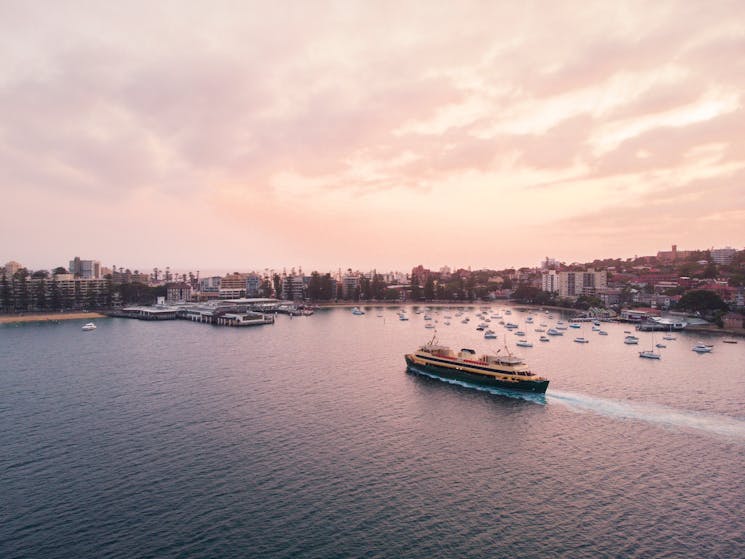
[{"x": 369, "y": 134}]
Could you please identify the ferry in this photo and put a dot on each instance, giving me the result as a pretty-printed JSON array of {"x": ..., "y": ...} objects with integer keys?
[{"x": 505, "y": 371}]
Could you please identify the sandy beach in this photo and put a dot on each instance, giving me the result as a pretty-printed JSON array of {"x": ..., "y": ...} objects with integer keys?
[{"x": 49, "y": 317}]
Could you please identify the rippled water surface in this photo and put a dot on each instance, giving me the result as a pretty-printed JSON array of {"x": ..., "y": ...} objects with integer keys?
[{"x": 309, "y": 439}]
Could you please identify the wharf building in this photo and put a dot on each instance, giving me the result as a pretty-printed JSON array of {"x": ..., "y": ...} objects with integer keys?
[{"x": 229, "y": 312}]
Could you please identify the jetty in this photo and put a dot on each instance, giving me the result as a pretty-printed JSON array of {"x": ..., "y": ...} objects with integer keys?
[{"x": 228, "y": 312}]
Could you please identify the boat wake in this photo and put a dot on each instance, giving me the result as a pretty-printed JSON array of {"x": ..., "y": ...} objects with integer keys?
[
  {"x": 527, "y": 396},
  {"x": 651, "y": 413}
]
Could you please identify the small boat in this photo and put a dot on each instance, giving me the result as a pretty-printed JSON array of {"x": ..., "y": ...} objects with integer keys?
[
  {"x": 529, "y": 319},
  {"x": 701, "y": 348},
  {"x": 728, "y": 341},
  {"x": 357, "y": 311},
  {"x": 88, "y": 327},
  {"x": 520, "y": 333},
  {"x": 544, "y": 339},
  {"x": 627, "y": 331},
  {"x": 575, "y": 325},
  {"x": 540, "y": 330},
  {"x": 465, "y": 320},
  {"x": 561, "y": 327},
  {"x": 490, "y": 335},
  {"x": 511, "y": 325},
  {"x": 446, "y": 323},
  {"x": 524, "y": 343},
  {"x": 427, "y": 317},
  {"x": 596, "y": 328},
  {"x": 631, "y": 340},
  {"x": 669, "y": 338},
  {"x": 602, "y": 332},
  {"x": 554, "y": 332},
  {"x": 480, "y": 328},
  {"x": 649, "y": 354},
  {"x": 429, "y": 325},
  {"x": 582, "y": 340},
  {"x": 660, "y": 346},
  {"x": 403, "y": 316},
  {"x": 596, "y": 322}
]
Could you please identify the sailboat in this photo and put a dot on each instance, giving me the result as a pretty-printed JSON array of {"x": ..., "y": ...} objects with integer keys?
[
  {"x": 670, "y": 335},
  {"x": 651, "y": 353}
]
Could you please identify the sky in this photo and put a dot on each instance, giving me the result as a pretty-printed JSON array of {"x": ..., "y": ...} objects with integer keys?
[{"x": 250, "y": 135}]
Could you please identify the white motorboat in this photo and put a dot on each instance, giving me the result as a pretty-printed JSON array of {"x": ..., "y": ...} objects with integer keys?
[{"x": 88, "y": 327}]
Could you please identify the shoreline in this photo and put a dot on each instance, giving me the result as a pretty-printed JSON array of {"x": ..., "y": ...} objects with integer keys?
[{"x": 49, "y": 317}]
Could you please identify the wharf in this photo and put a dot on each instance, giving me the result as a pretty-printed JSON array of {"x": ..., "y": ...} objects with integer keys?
[{"x": 221, "y": 313}]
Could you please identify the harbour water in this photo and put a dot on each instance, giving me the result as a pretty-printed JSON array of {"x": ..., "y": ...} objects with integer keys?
[{"x": 308, "y": 439}]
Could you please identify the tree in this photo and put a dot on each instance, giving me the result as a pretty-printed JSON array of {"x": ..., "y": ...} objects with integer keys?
[
  {"x": 429, "y": 288},
  {"x": 40, "y": 274},
  {"x": 40, "y": 294},
  {"x": 54, "y": 295},
  {"x": 59, "y": 270},
  {"x": 416, "y": 292},
  {"x": 5, "y": 293},
  {"x": 702, "y": 300},
  {"x": 22, "y": 298},
  {"x": 710, "y": 271},
  {"x": 314, "y": 286}
]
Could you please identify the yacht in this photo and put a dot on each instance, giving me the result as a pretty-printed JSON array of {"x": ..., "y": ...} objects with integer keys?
[
  {"x": 544, "y": 339},
  {"x": 524, "y": 343},
  {"x": 357, "y": 311},
  {"x": 520, "y": 333},
  {"x": 649, "y": 354},
  {"x": 554, "y": 332},
  {"x": 88, "y": 327},
  {"x": 701, "y": 348},
  {"x": 602, "y": 332},
  {"x": 631, "y": 340},
  {"x": 582, "y": 340},
  {"x": 490, "y": 334}
]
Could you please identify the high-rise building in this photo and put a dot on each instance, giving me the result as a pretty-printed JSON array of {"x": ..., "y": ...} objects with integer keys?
[
  {"x": 550, "y": 281},
  {"x": 86, "y": 269},
  {"x": 350, "y": 284},
  {"x": 574, "y": 284},
  {"x": 723, "y": 256},
  {"x": 12, "y": 267},
  {"x": 253, "y": 283}
]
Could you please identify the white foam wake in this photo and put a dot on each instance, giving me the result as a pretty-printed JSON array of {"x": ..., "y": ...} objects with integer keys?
[{"x": 651, "y": 413}]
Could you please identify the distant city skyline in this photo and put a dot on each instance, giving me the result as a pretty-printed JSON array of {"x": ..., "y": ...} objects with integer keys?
[{"x": 368, "y": 135}]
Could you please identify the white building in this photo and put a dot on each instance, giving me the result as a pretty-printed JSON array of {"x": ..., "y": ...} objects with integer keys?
[
  {"x": 723, "y": 256},
  {"x": 550, "y": 281}
]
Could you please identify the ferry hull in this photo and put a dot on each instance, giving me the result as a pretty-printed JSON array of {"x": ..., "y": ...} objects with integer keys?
[{"x": 538, "y": 387}]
